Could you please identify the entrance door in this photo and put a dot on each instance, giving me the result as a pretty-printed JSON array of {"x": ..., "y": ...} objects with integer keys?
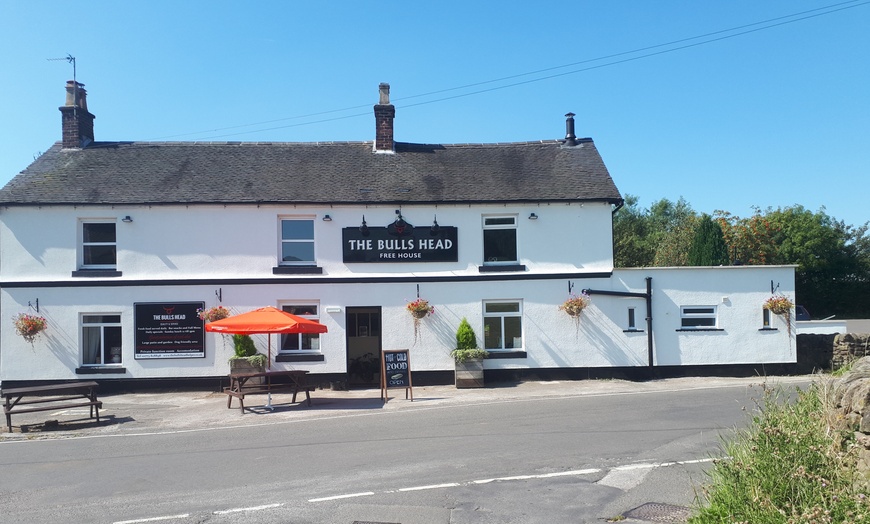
[{"x": 363, "y": 346}]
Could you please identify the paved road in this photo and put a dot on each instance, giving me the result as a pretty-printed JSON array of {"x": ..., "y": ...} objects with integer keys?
[{"x": 545, "y": 452}]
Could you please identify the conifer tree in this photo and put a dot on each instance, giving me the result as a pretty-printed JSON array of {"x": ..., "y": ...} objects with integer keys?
[{"x": 708, "y": 247}]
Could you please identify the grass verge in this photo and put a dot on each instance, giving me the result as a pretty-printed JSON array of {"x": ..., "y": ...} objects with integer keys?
[{"x": 789, "y": 466}]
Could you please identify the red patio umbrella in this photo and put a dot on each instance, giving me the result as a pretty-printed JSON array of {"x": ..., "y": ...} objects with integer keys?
[{"x": 266, "y": 320}]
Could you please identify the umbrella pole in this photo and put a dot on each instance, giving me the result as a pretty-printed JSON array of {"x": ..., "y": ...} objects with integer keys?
[{"x": 269, "y": 368}]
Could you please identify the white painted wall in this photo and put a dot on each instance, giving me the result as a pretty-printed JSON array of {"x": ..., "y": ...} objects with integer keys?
[
  {"x": 822, "y": 327},
  {"x": 738, "y": 292},
  {"x": 166, "y": 244},
  {"x": 180, "y": 242}
]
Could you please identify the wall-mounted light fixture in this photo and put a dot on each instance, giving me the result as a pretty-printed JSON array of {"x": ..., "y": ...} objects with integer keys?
[
  {"x": 435, "y": 228},
  {"x": 327, "y": 218},
  {"x": 333, "y": 309},
  {"x": 533, "y": 217},
  {"x": 400, "y": 220},
  {"x": 127, "y": 219},
  {"x": 364, "y": 228}
]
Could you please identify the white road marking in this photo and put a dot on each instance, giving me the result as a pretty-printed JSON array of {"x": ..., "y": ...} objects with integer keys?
[
  {"x": 631, "y": 475},
  {"x": 623, "y": 477},
  {"x": 252, "y": 508},
  {"x": 154, "y": 519},
  {"x": 540, "y": 476},
  {"x": 432, "y": 486},
  {"x": 348, "y": 496}
]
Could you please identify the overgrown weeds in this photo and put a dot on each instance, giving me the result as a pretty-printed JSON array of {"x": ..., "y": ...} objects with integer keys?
[{"x": 789, "y": 466}]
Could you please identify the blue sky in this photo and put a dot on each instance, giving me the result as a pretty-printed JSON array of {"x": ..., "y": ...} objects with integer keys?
[{"x": 774, "y": 117}]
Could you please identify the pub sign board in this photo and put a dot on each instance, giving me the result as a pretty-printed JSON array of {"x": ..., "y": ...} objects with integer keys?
[
  {"x": 400, "y": 244},
  {"x": 168, "y": 330},
  {"x": 396, "y": 372}
]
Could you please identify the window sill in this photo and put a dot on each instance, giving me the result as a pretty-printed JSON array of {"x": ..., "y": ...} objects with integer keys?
[
  {"x": 100, "y": 370},
  {"x": 96, "y": 273},
  {"x": 497, "y": 269},
  {"x": 304, "y": 357},
  {"x": 633, "y": 331},
  {"x": 297, "y": 270},
  {"x": 768, "y": 329},
  {"x": 494, "y": 354},
  {"x": 691, "y": 330}
]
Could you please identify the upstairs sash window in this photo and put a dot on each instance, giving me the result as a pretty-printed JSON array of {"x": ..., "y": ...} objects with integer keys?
[
  {"x": 99, "y": 245},
  {"x": 297, "y": 241},
  {"x": 500, "y": 240}
]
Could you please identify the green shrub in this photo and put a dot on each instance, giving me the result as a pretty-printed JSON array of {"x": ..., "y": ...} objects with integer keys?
[
  {"x": 465, "y": 337},
  {"x": 244, "y": 346},
  {"x": 257, "y": 360},
  {"x": 466, "y": 344}
]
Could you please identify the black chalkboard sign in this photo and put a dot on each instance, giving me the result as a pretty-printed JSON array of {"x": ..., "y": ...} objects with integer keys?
[
  {"x": 168, "y": 330},
  {"x": 396, "y": 372}
]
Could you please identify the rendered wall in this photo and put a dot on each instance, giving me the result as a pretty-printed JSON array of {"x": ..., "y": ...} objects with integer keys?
[{"x": 171, "y": 254}]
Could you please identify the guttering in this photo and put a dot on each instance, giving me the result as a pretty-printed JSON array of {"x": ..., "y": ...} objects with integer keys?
[
  {"x": 619, "y": 204},
  {"x": 648, "y": 297}
]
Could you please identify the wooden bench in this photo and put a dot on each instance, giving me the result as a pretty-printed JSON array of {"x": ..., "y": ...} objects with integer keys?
[
  {"x": 239, "y": 387},
  {"x": 52, "y": 397}
]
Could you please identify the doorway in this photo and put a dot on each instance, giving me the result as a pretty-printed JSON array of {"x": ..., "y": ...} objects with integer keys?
[{"x": 363, "y": 346}]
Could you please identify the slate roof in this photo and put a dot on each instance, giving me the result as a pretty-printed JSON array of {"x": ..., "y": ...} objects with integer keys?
[{"x": 316, "y": 173}]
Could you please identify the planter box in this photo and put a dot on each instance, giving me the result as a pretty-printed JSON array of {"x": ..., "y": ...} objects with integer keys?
[
  {"x": 240, "y": 365},
  {"x": 469, "y": 374}
]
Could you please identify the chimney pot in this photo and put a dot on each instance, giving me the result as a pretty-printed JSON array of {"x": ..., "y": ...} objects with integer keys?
[
  {"x": 570, "y": 137},
  {"x": 76, "y": 94},
  {"x": 384, "y": 92}
]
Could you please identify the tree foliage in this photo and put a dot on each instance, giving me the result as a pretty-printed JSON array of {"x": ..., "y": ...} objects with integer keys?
[
  {"x": 833, "y": 259},
  {"x": 631, "y": 236},
  {"x": 708, "y": 245},
  {"x": 658, "y": 236},
  {"x": 750, "y": 240}
]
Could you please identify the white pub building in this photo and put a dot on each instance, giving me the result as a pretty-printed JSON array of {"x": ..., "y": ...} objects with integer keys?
[{"x": 118, "y": 244}]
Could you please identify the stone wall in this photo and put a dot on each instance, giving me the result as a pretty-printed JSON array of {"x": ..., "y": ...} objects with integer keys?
[
  {"x": 849, "y": 347},
  {"x": 849, "y": 412},
  {"x": 830, "y": 352}
]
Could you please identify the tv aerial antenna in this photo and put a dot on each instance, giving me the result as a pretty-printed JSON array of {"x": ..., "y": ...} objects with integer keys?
[
  {"x": 69, "y": 58},
  {"x": 72, "y": 60}
]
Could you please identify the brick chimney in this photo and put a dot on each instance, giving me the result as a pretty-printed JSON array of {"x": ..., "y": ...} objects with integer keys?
[
  {"x": 384, "y": 114},
  {"x": 77, "y": 122}
]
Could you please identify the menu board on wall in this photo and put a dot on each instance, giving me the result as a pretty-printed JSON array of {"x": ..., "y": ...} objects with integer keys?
[{"x": 168, "y": 330}]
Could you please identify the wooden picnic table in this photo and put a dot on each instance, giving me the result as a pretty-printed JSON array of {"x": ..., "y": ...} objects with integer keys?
[
  {"x": 289, "y": 381},
  {"x": 51, "y": 397}
]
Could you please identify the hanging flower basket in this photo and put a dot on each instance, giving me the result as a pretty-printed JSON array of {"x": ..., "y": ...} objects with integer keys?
[
  {"x": 778, "y": 305},
  {"x": 213, "y": 313},
  {"x": 575, "y": 304},
  {"x": 29, "y": 326},
  {"x": 420, "y": 308}
]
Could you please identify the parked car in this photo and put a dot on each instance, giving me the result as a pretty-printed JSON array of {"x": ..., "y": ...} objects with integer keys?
[{"x": 801, "y": 313}]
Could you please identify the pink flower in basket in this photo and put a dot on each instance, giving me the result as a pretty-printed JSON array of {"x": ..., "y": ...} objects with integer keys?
[
  {"x": 420, "y": 308},
  {"x": 29, "y": 326},
  {"x": 213, "y": 313}
]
